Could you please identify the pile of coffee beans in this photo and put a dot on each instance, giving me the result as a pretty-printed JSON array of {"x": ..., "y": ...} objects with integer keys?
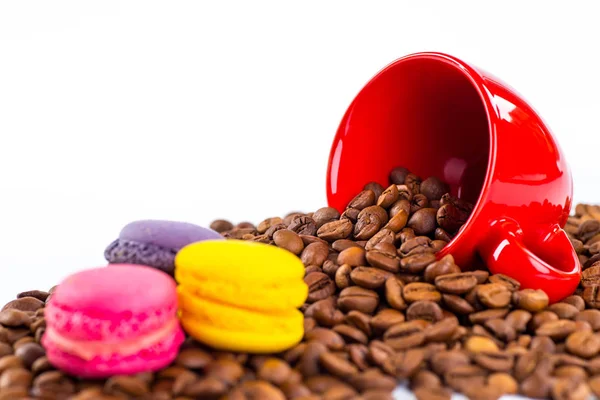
[{"x": 381, "y": 310}]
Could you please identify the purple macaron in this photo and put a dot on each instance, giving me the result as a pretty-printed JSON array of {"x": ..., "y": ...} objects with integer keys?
[{"x": 155, "y": 243}]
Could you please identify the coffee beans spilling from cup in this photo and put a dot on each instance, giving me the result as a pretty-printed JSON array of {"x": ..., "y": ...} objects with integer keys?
[{"x": 380, "y": 310}]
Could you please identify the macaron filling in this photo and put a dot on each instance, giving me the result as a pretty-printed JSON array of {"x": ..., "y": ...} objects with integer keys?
[{"x": 90, "y": 349}]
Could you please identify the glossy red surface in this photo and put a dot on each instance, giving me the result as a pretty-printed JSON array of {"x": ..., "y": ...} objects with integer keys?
[{"x": 439, "y": 116}]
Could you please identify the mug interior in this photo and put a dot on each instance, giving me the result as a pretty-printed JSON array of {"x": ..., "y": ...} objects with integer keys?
[{"x": 422, "y": 113}]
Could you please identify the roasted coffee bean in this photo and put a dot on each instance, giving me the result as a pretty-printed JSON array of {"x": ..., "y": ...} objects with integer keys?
[
  {"x": 563, "y": 310},
  {"x": 351, "y": 334},
  {"x": 381, "y": 237},
  {"x": 357, "y": 298},
  {"x": 405, "y": 335},
  {"x": 330, "y": 268},
  {"x": 518, "y": 319},
  {"x": 398, "y": 221},
  {"x": 445, "y": 361},
  {"x": 583, "y": 344},
  {"x": 437, "y": 245},
  {"x": 510, "y": 283},
  {"x": 274, "y": 370},
  {"x": 434, "y": 188},
  {"x": 494, "y": 295},
  {"x": 388, "y": 197},
  {"x": 24, "y": 304},
  {"x": 15, "y": 377},
  {"x": 575, "y": 301},
  {"x": 495, "y": 361},
  {"x": 360, "y": 320},
  {"x": 382, "y": 259},
  {"x": 444, "y": 266},
  {"x": 457, "y": 304},
  {"x": 303, "y": 225},
  {"x": 480, "y": 344},
  {"x": 315, "y": 254},
  {"x": 385, "y": 319},
  {"x": 542, "y": 317},
  {"x": 29, "y": 353},
  {"x": 369, "y": 278},
  {"x": 420, "y": 291},
  {"x": 590, "y": 316},
  {"x": 337, "y": 366},
  {"x": 464, "y": 376},
  {"x": 441, "y": 331},
  {"x": 14, "y": 318},
  {"x": 320, "y": 286},
  {"x": 343, "y": 244},
  {"x": 425, "y": 310},
  {"x": 369, "y": 221},
  {"x": 394, "y": 293},
  {"x": 398, "y": 175},
  {"x": 342, "y": 276},
  {"x": 536, "y": 386},
  {"x": 288, "y": 240},
  {"x": 220, "y": 225},
  {"x": 326, "y": 314},
  {"x": 416, "y": 245},
  {"x": 353, "y": 256},
  {"x": 406, "y": 363},
  {"x": 328, "y": 214},
  {"x": 401, "y": 205},
  {"x": 329, "y": 338},
  {"x": 591, "y": 296},
  {"x": 372, "y": 379},
  {"x": 570, "y": 388},
  {"x": 417, "y": 263},
  {"x": 335, "y": 230},
  {"x": 351, "y": 214},
  {"x": 530, "y": 300},
  {"x": 556, "y": 329},
  {"x": 127, "y": 385},
  {"x": 457, "y": 283},
  {"x": 375, "y": 188},
  {"x": 418, "y": 202},
  {"x": 423, "y": 221},
  {"x": 256, "y": 390},
  {"x": 267, "y": 223},
  {"x": 413, "y": 182},
  {"x": 322, "y": 383},
  {"x": 501, "y": 329}
]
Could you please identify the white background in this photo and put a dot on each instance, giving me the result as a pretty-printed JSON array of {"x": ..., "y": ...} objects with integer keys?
[{"x": 115, "y": 111}]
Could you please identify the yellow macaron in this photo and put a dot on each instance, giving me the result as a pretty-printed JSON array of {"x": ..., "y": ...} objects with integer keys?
[{"x": 241, "y": 296}]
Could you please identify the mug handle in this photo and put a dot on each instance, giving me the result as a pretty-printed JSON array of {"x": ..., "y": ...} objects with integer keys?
[{"x": 506, "y": 250}]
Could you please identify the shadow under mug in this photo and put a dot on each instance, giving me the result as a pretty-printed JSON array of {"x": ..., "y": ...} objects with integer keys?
[{"x": 439, "y": 116}]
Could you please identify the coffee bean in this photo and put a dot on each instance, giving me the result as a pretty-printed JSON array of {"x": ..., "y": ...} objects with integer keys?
[
  {"x": 325, "y": 313},
  {"x": 337, "y": 366},
  {"x": 398, "y": 175},
  {"x": 556, "y": 329},
  {"x": 193, "y": 358},
  {"x": 495, "y": 361},
  {"x": 351, "y": 214},
  {"x": 511, "y": 284},
  {"x": 401, "y": 205},
  {"x": 418, "y": 202},
  {"x": 393, "y": 293},
  {"x": 385, "y": 319},
  {"x": 501, "y": 329},
  {"x": 342, "y": 276},
  {"x": 353, "y": 256},
  {"x": 530, "y": 300},
  {"x": 127, "y": 385},
  {"x": 288, "y": 240},
  {"x": 15, "y": 377},
  {"x": 563, "y": 310},
  {"x": 416, "y": 245},
  {"x": 351, "y": 334},
  {"x": 417, "y": 263},
  {"x": 369, "y": 221},
  {"x": 536, "y": 386},
  {"x": 315, "y": 254},
  {"x": 8, "y": 362},
  {"x": 441, "y": 331},
  {"x": 328, "y": 214},
  {"x": 267, "y": 223},
  {"x": 322, "y": 383},
  {"x": 570, "y": 389},
  {"x": 29, "y": 353},
  {"x": 405, "y": 335},
  {"x": 381, "y": 258},
  {"x": 379, "y": 239},
  {"x": 494, "y": 295},
  {"x": 372, "y": 379},
  {"x": 457, "y": 304},
  {"x": 518, "y": 319},
  {"x": 208, "y": 387},
  {"x": 420, "y": 291},
  {"x": 434, "y": 188},
  {"x": 591, "y": 296},
  {"x": 274, "y": 370},
  {"x": 357, "y": 298},
  {"x": 14, "y": 318},
  {"x": 24, "y": 304},
  {"x": 423, "y": 221},
  {"x": 575, "y": 301},
  {"x": 360, "y": 320},
  {"x": 220, "y": 225},
  {"x": 388, "y": 197},
  {"x": 479, "y": 344},
  {"x": 590, "y": 316},
  {"x": 343, "y": 244},
  {"x": 257, "y": 390},
  {"x": 369, "y": 278},
  {"x": 583, "y": 344},
  {"x": 457, "y": 283},
  {"x": 38, "y": 294},
  {"x": 335, "y": 230},
  {"x": 303, "y": 225},
  {"x": 398, "y": 221},
  {"x": 464, "y": 376},
  {"x": 329, "y": 338},
  {"x": 375, "y": 188},
  {"x": 444, "y": 266},
  {"x": 320, "y": 286},
  {"x": 541, "y": 318},
  {"x": 425, "y": 310},
  {"x": 406, "y": 363},
  {"x": 445, "y": 361}
]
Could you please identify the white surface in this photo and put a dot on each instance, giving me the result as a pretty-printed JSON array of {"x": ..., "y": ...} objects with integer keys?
[{"x": 114, "y": 111}]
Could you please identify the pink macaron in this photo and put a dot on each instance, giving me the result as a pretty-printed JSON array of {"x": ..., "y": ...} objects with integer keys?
[{"x": 108, "y": 321}]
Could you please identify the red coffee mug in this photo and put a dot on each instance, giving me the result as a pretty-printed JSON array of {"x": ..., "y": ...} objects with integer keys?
[{"x": 439, "y": 116}]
